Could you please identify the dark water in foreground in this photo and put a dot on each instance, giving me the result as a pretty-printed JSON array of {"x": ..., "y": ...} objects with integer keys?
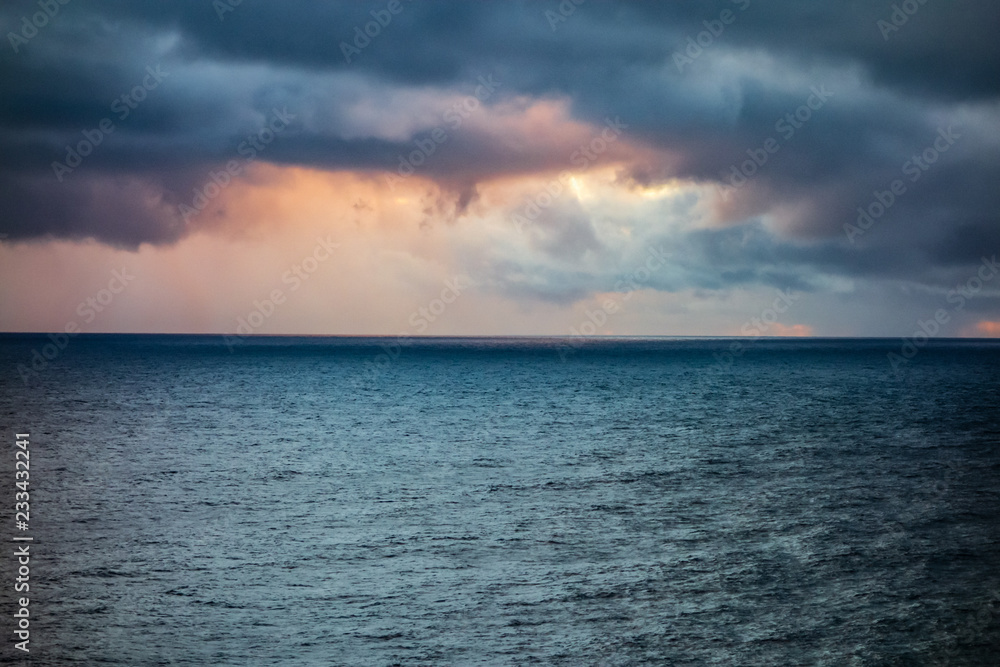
[{"x": 482, "y": 502}]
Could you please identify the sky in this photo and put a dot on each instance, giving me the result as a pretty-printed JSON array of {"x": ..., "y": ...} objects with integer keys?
[{"x": 407, "y": 167}]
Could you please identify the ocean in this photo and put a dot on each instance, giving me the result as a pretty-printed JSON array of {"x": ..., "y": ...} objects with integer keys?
[{"x": 503, "y": 501}]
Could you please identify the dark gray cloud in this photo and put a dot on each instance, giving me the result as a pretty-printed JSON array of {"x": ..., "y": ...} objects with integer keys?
[{"x": 891, "y": 91}]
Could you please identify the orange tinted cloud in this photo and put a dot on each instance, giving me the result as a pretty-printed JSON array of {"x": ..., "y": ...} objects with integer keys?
[
  {"x": 795, "y": 330},
  {"x": 987, "y": 328}
]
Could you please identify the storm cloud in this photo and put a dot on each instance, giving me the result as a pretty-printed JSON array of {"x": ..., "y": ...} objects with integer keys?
[{"x": 850, "y": 139}]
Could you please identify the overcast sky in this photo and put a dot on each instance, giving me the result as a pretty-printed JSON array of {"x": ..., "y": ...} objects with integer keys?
[{"x": 437, "y": 168}]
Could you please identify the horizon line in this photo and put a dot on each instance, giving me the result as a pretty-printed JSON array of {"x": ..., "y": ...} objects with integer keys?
[{"x": 477, "y": 336}]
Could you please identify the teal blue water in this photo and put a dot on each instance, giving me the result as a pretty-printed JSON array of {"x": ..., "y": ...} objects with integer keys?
[{"x": 331, "y": 501}]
